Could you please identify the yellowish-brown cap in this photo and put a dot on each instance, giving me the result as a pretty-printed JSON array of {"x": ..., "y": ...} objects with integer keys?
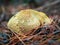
[{"x": 27, "y": 20}]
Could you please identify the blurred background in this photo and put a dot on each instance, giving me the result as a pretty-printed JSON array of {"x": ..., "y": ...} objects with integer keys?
[{"x": 10, "y": 7}]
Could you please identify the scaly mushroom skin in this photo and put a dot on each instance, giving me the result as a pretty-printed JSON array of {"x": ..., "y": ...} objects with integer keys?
[{"x": 27, "y": 20}]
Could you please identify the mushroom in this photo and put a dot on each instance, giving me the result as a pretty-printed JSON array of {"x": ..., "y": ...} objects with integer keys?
[{"x": 27, "y": 20}]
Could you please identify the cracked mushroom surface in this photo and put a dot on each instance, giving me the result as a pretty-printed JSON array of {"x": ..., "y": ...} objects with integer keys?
[{"x": 27, "y": 20}]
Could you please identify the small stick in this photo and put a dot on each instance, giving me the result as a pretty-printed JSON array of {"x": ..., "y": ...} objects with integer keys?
[{"x": 18, "y": 37}]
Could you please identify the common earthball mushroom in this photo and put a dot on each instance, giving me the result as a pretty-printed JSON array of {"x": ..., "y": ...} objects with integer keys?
[{"x": 27, "y": 20}]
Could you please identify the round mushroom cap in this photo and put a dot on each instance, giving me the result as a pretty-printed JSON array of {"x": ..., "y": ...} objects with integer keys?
[{"x": 27, "y": 20}]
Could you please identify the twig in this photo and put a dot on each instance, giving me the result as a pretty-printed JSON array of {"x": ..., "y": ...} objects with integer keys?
[
  {"x": 18, "y": 37},
  {"x": 48, "y": 5}
]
